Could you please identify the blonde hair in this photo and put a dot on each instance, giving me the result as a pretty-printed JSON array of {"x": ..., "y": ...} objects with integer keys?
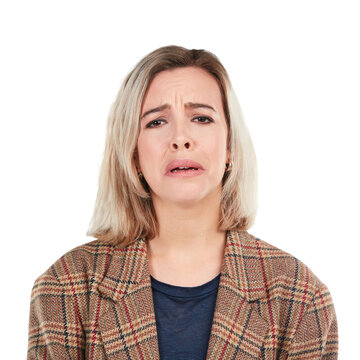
[{"x": 124, "y": 210}]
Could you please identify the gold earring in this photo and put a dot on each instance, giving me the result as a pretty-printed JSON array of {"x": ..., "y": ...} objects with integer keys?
[
  {"x": 140, "y": 174},
  {"x": 229, "y": 166}
]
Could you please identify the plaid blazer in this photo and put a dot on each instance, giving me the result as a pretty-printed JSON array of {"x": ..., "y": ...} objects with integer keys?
[{"x": 96, "y": 303}]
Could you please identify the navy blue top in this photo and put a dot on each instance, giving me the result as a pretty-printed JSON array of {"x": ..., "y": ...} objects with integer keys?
[{"x": 183, "y": 318}]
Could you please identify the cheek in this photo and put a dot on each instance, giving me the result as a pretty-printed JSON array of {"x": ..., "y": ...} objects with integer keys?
[
  {"x": 220, "y": 144},
  {"x": 148, "y": 150}
]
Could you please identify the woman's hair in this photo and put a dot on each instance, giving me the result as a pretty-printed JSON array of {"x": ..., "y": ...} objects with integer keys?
[{"x": 124, "y": 210}]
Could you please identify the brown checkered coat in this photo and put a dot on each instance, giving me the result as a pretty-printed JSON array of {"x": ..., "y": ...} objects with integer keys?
[{"x": 96, "y": 303}]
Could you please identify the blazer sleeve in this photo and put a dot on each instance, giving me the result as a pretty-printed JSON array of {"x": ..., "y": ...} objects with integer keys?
[
  {"x": 316, "y": 335},
  {"x": 55, "y": 329}
]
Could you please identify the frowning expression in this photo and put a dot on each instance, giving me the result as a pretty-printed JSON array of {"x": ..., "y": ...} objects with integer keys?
[{"x": 182, "y": 119}]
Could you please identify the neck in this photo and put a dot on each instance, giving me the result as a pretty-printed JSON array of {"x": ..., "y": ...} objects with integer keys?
[{"x": 188, "y": 230}]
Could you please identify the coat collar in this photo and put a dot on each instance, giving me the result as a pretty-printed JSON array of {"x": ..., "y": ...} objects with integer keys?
[
  {"x": 129, "y": 268},
  {"x": 128, "y": 323}
]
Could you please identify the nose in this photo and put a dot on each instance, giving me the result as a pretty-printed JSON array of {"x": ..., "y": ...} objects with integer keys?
[
  {"x": 175, "y": 145},
  {"x": 180, "y": 139}
]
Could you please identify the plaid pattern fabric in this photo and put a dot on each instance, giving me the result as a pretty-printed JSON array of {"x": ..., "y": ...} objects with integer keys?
[{"x": 96, "y": 303}]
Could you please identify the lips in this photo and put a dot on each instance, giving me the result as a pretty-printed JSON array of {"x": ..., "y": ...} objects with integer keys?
[{"x": 182, "y": 163}]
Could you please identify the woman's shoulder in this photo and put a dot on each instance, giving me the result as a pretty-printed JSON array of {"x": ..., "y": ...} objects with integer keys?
[
  {"x": 85, "y": 262},
  {"x": 277, "y": 268}
]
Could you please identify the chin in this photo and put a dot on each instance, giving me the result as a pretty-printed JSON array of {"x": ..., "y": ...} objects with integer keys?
[
  {"x": 188, "y": 194},
  {"x": 188, "y": 199}
]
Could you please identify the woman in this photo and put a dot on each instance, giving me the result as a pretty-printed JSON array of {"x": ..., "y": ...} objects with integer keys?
[{"x": 174, "y": 274}]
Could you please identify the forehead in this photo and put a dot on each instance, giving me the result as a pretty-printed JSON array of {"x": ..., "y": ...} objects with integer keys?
[{"x": 184, "y": 84}]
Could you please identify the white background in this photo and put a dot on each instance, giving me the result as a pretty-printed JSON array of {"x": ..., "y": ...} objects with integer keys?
[{"x": 295, "y": 68}]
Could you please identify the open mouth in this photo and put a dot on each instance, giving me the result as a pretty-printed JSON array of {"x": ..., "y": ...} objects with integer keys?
[{"x": 184, "y": 169}]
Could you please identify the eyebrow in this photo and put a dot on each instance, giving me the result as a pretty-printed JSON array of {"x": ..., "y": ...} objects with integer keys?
[{"x": 190, "y": 105}]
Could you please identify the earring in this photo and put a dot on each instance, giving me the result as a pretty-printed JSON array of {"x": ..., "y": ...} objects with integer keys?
[
  {"x": 140, "y": 174},
  {"x": 229, "y": 166}
]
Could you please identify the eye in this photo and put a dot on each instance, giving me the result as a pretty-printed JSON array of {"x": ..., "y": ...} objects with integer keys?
[
  {"x": 153, "y": 123},
  {"x": 204, "y": 119}
]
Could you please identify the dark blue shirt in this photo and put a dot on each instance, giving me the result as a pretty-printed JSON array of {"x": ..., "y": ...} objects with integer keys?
[{"x": 183, "y": 318}]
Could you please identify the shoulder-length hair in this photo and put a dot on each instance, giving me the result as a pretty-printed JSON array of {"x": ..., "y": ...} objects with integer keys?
[{"x": 124, "y": 210}]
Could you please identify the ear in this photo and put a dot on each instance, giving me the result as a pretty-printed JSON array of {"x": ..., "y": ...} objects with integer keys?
[
  {"x": 136, "y": 160},
  {"x": 228, "y": 156}
]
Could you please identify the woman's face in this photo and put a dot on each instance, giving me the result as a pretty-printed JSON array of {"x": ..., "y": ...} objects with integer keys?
[{"x": 182, "y": 119}]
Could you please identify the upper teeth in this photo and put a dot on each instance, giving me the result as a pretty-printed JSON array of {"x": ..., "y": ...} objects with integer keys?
[{"x": 182, "y": 168}]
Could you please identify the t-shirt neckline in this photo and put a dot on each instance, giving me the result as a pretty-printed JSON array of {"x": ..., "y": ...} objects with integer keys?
[{"x": 186, "y": 291}]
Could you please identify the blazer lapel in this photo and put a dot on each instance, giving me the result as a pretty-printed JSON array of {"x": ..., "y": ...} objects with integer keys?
[
  {"x": 128, "y": 325},
  {"x": 238, "y": 331}
]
